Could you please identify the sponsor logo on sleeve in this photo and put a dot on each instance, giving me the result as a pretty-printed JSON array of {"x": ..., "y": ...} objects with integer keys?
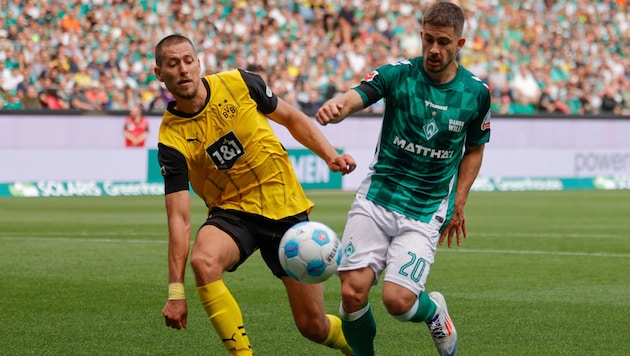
[
  {"x": 370, "y": 76},
  {"x": 485, "y": 124}
]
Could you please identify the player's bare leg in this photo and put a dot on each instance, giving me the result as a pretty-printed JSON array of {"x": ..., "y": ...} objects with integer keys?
[
  {"x": 307, "y": 305},
  {"x": 358, "y": 323}
]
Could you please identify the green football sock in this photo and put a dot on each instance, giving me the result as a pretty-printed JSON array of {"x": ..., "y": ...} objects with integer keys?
[
  {"x": 426, "y": 309},
  {"x": 359, "y": 329}
]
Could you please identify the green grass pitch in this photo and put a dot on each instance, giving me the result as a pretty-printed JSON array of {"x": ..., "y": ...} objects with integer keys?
[{"x": 542, "y": 273}]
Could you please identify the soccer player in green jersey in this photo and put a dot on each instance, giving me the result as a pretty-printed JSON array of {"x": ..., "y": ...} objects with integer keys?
[{"x": 435, "y": 125}]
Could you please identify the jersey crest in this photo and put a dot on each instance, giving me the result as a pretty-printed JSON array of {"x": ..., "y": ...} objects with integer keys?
[
  {"x": 227, "y": 110},
  {"x": 430, "y": 129}
]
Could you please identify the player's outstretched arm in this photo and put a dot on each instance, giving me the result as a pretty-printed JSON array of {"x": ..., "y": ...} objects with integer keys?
[
  {"x": 306, "y": 132},
  {"x": 338, "y": 108}
]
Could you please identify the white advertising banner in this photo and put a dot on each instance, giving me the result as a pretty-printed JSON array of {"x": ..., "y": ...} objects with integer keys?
[
  {"x": 65, "y": 164},
  {"x": 34, "y": 148}
]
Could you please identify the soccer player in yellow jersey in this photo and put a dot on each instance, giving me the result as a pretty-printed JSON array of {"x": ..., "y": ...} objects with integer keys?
[{"x": 216, "y": 136}]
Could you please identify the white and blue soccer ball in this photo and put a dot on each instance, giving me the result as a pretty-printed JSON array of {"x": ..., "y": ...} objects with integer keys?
[{"x": 310, "y": 252}]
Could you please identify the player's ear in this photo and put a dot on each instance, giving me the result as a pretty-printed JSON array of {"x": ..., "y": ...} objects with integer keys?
[
  {"x": 460, "y": 43},
  {"x": 158, "y": 73}
]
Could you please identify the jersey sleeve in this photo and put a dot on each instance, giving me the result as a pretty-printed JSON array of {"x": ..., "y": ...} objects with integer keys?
[
  {"x": 259, "y": 91},
  {"x": 479, "y": 130},
  {"x": 174, "y": 169},
  {"x": 376, "y": 84}
]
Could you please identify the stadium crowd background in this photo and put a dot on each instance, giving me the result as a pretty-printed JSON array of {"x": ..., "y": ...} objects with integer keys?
[{"x": 537, "y": 56}]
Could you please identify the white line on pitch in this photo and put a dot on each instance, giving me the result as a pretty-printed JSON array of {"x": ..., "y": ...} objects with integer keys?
[
  {"x": 81, "y": 239},
  {"x": 529, "y": 252},
  {"x": 471, "y": 235},
  {"x": 443, "y": 249},
  {"x": 553, "y": 235}
]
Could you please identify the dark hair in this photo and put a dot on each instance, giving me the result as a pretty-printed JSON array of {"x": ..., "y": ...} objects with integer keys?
[
  {"x": 445, "y": 14},
  {"x": 169, "y": 41}
]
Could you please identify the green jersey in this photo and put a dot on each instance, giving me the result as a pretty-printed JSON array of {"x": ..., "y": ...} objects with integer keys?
[{"x": 424, "y": 130}]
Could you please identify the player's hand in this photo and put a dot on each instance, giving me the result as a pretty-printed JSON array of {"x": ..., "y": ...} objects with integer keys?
[
  {"x": 329, "y": 113},
  {"x": 175, "y": 313},
  {"x": 457, "y": 228},
  {"x": 343, "y": 163}
]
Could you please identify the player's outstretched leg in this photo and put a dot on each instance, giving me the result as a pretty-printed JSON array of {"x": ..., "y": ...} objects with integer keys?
[
  {"x": 226, "y": 317},
  {"x": 307, "y": 306},
  {"x": 441, "y": 327}
]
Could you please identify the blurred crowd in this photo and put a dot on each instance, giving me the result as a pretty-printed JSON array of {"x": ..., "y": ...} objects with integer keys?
[{"x": 537, "y": 56}]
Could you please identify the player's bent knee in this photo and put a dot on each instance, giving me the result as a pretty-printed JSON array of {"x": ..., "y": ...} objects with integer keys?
[
  {"x": 204, "y": 264},
  {"x": 353, "y": 300},
  {"x": 396, "y": 307},
  {"x": 397, "y": 301}
]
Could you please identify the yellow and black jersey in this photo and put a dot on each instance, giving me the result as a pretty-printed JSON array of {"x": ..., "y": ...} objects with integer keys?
[{"x": 228, "y": 151}]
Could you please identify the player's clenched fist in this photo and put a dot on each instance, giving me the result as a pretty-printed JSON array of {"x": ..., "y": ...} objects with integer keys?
[
  {"x": 343, "y": 163},
  {"x": 175, "y": 313},
  {"x": 330, "y": 112},
  {"x": 338, "y": 108}
]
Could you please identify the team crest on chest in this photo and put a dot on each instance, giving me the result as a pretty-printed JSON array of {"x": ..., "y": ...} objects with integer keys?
[
  {"x": 227, "y": 111},
  {"x": 430, "y": 129}
]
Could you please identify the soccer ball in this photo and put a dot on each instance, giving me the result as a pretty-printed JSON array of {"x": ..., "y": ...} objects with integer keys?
[{"x": 310, "y": 252}]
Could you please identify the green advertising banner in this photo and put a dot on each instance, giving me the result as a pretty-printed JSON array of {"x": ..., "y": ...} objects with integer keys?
[
  {"x": 540, "y": 184},
  {"x": 153, "y": 167},
  {"x": 79, "y": 189},
  {"x": 313, "y": 173}
]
